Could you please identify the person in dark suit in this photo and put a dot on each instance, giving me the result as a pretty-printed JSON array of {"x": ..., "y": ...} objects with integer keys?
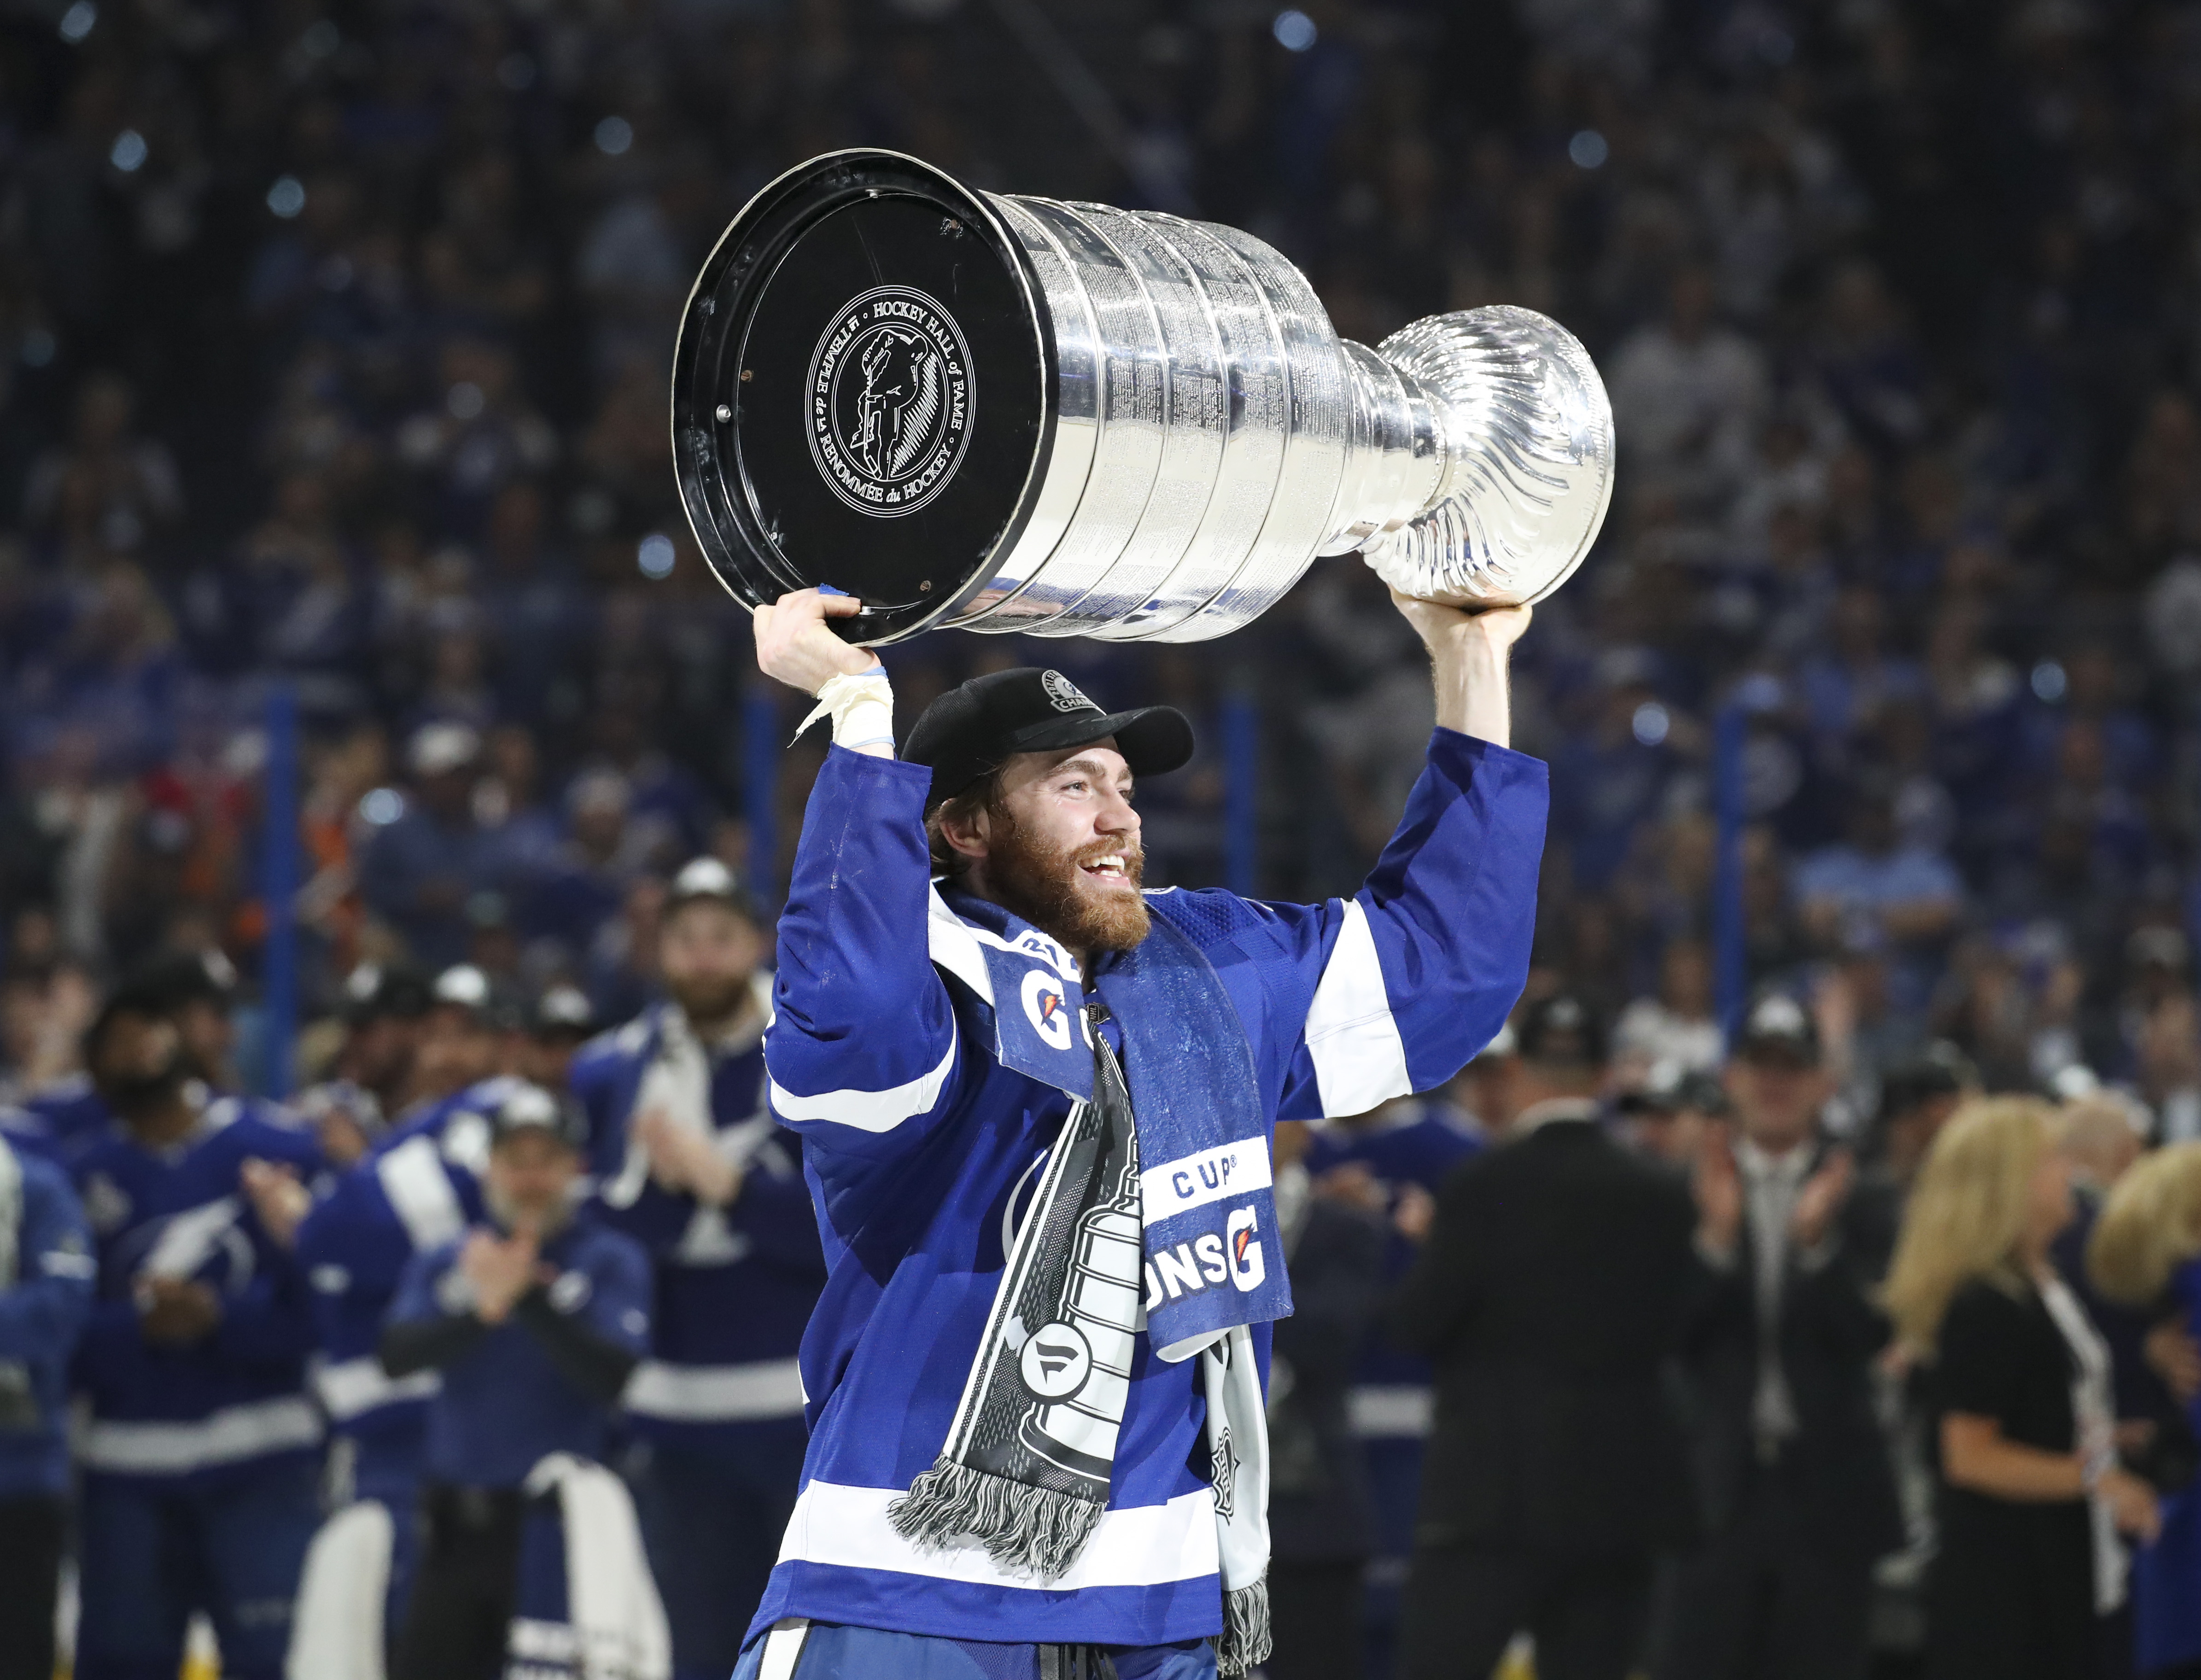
[
  {"x": 1549, "y": 1295},
  {"x": 1321, "y": 1514},
  {"x": 1777, "y": 1360}
]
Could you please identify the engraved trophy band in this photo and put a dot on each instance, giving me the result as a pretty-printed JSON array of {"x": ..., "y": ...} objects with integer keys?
[{"x": 1011, "y": 414}]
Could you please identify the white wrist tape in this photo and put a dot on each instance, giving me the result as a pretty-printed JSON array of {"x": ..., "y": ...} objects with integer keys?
[{"x": 861, "y": 708}]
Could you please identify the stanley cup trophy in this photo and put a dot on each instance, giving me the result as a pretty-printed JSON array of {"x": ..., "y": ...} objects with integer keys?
[{"x": 1014, "y": 414}]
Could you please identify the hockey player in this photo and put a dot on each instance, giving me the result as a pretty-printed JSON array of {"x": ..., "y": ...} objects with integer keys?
[
  {"x": 535, "y": 1320},
  {"x": 689, "y": 1161},
  {"x": 46, "y": 1271},
  {"x": 201, "y": 1449},
  {"x": 1035, "y": 1107}
]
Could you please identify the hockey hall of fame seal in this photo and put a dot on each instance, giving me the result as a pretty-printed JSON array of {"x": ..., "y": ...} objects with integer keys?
[{"x": 890, "y": 401}]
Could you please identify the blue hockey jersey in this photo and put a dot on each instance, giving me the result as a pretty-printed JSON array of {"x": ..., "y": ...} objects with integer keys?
[
  {"x": 735, "y": 1287},
  {"x": 238, "y": 1395},
  {"x": 503, "y": 1404},
  {"x": 916, "y": 1140},
  {"x": 419, "y": 1188},
  {"x": 46, "y": 1275}
]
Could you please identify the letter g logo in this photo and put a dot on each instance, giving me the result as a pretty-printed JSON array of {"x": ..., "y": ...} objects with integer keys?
[
  {"x": 1045, "y": 1008},
  {"x": 1247, "y": 1268}
]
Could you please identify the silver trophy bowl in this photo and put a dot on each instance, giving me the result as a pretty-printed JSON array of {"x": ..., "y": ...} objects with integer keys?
[{"x": 1005, "y": 414}]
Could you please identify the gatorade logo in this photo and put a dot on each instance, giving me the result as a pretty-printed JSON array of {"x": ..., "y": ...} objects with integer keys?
[
  {"x": 1045, "y": 1008},
  {"x": 1248, "y": 1269}
]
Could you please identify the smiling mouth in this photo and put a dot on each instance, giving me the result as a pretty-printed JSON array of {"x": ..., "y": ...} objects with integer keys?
[{"x": 1110, "y": 869}]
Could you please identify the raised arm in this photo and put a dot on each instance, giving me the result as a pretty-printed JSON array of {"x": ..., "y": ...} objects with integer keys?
[
  {"x": 1419, "y": 969},
  {"x": 861, "y": 1052}
]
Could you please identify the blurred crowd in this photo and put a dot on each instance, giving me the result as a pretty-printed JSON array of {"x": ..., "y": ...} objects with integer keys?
[{"x": 334, "y": 346}]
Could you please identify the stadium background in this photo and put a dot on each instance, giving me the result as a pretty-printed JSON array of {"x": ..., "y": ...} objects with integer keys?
[{"x": 333, "y": 349}]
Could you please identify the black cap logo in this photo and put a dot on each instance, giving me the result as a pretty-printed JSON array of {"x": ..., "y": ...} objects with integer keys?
[{"x": 1063, "y": 694}]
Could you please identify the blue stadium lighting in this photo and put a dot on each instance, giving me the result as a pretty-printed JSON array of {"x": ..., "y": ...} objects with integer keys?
[
  {"x": 1294, "y": 31},
  {"x": 1650, "y": 723},
  {"x": 286, "y": 197},
  {"x": 381, "y": 807},
  {"x": 1589, "y": 150},
  {"x": 654, "y": 556},
  {"x": 128, "y": 152},
  {"x": 77, "y": 21},
  {"x": 2049, "y": 682},
  {"x": 614, "y": 136}
]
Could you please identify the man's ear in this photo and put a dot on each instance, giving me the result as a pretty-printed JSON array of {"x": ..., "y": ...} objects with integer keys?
[{"x": 967, "y": 832}]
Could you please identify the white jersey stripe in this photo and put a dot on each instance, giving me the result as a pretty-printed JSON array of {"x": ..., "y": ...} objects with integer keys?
[
  {"x": 1359, "y": 1060},
  {"x": 1140, "y": 1547},
  {"x": 867, "y": 1111},
  {"x": 226, "y": 1436},
  {"x": 350, "y": 1388},
  {"x": 715, "y": 1393},
  {"x": 412, "y": 1176}
]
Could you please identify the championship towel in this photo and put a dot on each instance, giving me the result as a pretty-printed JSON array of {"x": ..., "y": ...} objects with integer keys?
[{"x": 1111, "y": 1246}]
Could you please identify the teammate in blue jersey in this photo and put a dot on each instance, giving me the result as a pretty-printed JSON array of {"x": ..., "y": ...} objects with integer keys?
[
  {"x": 1376, "y": 1161},
  {"x": 46, "y": 1272},
  {"x": 689, "y": 1161},
  {"x": 535, "y": 1320},
  {"x": 201, "y": 1449},
  {"x": 1035, "y": 1107}
]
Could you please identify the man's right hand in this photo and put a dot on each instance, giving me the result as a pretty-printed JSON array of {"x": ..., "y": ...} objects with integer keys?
[{"x": 795, "y": 646}]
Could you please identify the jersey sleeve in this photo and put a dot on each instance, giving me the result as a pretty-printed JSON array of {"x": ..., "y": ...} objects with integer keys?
[
  {"x": 861, "y": 1055},
  {"x": 43, "y": 1313},
  {"x": 1418, "y": 971}
]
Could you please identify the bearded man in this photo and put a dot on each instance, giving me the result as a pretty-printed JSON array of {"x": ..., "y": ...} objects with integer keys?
[{"x": 1036, "y": 1105}]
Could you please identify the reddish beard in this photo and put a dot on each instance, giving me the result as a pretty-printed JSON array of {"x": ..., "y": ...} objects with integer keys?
[{"x": 1046, "y": 885}]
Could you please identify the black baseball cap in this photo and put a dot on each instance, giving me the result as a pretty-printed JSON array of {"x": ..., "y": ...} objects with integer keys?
[
  {"x": 1778, "y": 1028},
  {"x": 972, "y": 730},
  {"x": 1939, "y": 1069},
  {"x": 532, "y": 1107},
  {"x": 1561, "y": 1030},
  {"x": 561, "y": 1011},
  {"x": 373, "y": 991},
  {"x": 706, "y": 879}
]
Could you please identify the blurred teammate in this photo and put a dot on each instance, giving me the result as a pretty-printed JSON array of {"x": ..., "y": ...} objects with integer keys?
[
  {"x": 692, "y": 1164},
  {"x": 201, "y": 1447},
  {"x": 46, "y": 1272},
  {"x": 373, "y": 1072},
  {"x": 535, "y": 1321}
]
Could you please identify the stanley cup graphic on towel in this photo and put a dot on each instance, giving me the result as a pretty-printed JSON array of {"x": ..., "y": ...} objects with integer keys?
[
  {"x": 1024, "y": 1471},
  {"x": 1079, "y": 1367}
]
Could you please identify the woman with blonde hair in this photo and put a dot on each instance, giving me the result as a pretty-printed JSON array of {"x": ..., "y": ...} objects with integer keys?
[
  {"x": 2032, "y": 1496},
  {"x": 2146, "y": 1253}
]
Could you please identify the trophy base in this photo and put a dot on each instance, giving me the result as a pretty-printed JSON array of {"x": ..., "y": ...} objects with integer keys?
[{"x": 861, "y": 395}]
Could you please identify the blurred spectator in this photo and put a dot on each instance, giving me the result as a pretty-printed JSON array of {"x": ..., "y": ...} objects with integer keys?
[
  {"x": 1776, "y": 1359},
  {"x": 2145, "y": 1256},
  {"x": 373, "y": 1068},
  {"x": 1676, "y": 1027},
  {"x": 1556, "y": 1467},
  {"x": 422, "y": 864},
  {"x": 2032, "y": 1497}
]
